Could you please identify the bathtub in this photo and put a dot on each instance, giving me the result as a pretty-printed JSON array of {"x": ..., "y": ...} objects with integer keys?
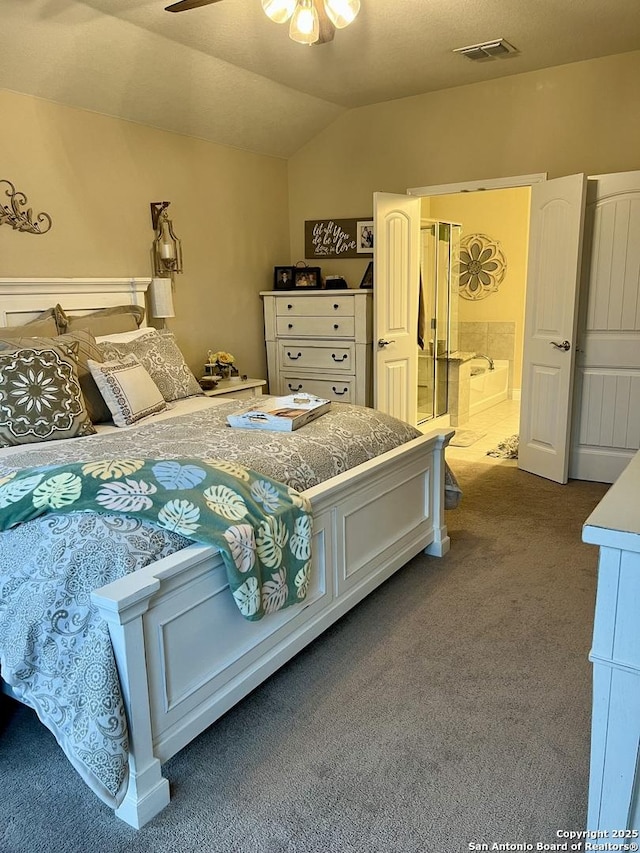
[{"x": 488, "y": 387}]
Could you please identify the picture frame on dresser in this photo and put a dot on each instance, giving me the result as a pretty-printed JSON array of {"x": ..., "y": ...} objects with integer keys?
[
  {"x": 283, "y": 278},
  {"x": 307, "y": 278},
  {"x": 367, "y": 278}
]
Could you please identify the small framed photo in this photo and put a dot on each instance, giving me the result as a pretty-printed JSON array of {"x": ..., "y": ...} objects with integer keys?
[
  {"x": 364, "y": 237},
  {"x": 283, "y": 278},
  {"x": 307, "y": 278},
  {"x": 367, "y": 278}
]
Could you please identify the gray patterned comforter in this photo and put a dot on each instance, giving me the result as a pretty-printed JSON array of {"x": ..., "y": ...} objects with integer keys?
[{"x": 55, "y": 650}]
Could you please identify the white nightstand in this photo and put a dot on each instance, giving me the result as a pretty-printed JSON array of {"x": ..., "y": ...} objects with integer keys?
[{"x": 242, "y": 388}]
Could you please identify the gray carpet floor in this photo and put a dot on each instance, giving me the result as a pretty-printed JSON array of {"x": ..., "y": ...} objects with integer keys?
[{"x": 451, "y": 707}]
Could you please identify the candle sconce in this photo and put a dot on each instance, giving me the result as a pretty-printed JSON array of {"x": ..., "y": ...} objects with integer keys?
[{"x": 166, "y": 251}]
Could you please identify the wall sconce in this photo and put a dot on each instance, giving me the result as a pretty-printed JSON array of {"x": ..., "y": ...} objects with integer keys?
[{"x": 166, "y": 251}]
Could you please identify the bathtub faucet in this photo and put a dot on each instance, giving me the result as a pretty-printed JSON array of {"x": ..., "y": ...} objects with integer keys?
[{"x": 490, "y": 360}]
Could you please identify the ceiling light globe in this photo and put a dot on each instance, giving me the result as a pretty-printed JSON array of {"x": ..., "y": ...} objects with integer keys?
[
  {"x": 305, "y": 26},
  {"x": 342, "y": 12},
  {"x": 279, "y": 10}
]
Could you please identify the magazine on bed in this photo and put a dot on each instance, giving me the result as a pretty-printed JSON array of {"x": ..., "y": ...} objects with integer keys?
[{"x": 283, "y": 414}]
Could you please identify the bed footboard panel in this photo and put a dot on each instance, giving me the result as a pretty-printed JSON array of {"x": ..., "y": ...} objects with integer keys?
[
  {"x": 203, "y": 656},
  {"x": 182, "y": 644}
]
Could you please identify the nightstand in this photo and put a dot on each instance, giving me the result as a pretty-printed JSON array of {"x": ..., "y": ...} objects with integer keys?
[{"x": 238, "y": 388}]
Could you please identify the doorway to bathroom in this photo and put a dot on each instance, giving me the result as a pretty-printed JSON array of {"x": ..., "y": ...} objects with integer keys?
[{"x": 476, "y": 368}]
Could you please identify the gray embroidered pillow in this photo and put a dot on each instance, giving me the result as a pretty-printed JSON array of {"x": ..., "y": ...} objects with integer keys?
[
  {"x": 40, "y": 396},
  {"x": 84, "y": 345},
  {"x": 160, "y": 355}
]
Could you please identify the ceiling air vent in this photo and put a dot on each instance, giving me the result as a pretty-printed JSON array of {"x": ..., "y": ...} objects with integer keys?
[{"x": 496, "y": 48}]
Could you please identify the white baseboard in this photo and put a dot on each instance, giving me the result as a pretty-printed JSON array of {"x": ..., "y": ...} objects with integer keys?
[{"x": 515, "y": 393}]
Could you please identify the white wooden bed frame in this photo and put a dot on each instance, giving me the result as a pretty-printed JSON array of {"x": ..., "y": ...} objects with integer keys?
[{"x": 184, "y": 653}]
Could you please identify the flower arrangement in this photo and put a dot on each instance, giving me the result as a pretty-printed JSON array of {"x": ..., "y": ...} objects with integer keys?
[{"x": 224, "y": 362}]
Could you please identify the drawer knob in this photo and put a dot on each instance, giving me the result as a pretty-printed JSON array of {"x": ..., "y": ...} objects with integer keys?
[
  {"x": 336, "y": 306},
  {"x": 336, "y": 392},
  {"x": 289, "y": 307},
  {"x": 289, "y": 325},
  {"x": 336, "y": 326},
  {"x": 341, "y": 358},
  {"x": 294, "y": 357},
  {"x": 291, "y": 388}
]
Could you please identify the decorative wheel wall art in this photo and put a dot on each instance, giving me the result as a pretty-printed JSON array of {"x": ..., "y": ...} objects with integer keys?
[{"x": 483, "y": 266}]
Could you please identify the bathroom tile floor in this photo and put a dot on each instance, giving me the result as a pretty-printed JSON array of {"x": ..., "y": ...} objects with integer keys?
[{"x": 497, "y": 423}]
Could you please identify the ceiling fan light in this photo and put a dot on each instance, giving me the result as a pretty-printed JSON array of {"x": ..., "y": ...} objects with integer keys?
[
  {"x": 279, "y": 10},
  {"x": 342, "y": 12},
  {"x": 305, "y": 26}
]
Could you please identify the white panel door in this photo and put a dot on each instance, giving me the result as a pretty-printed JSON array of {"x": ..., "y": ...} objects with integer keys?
[
  {"x": 606, "y": 422},
  {"x": 555, "y": 246},
  {"x": 395, "y": 314}
]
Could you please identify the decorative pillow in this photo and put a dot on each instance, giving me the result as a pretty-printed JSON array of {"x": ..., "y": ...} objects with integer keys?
[
  {"x": 44, "y": 325},
  {"x": 85, "y": 347},
  {"x": 40, "y": 396},
  {"x": 129, "y": 391},
  {"x": 105, "y": 321},
  {"x": 160, "y": 354}
]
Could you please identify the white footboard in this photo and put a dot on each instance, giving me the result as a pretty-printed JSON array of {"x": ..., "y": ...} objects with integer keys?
[{"x": 185, "y": 654}]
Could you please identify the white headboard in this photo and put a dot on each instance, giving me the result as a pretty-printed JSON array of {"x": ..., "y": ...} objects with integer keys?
[{"x": 22, "y": 299}]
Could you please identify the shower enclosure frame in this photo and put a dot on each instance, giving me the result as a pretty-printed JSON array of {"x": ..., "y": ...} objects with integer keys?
[{"x": 438, "y": 314}]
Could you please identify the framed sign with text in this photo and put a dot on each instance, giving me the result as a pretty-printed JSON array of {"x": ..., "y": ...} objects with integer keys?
[{"x": 337, "y": 238}]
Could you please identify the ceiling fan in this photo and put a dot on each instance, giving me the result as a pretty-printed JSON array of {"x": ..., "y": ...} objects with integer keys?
[{"x": 312, "y": 21}]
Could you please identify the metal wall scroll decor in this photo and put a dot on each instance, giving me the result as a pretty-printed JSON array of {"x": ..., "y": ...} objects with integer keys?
[
  {"x": 483, "y": 266},
  {"x": 21, "y": 220}
]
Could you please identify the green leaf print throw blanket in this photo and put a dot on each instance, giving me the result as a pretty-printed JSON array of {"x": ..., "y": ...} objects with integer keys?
[{"x": 262, "y": 527}]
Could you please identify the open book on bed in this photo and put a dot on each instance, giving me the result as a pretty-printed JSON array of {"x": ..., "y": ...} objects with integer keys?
[{"x": 283, "y": 414}]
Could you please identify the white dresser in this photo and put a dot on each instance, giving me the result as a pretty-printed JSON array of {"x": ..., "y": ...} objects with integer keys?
[
  {"x": 320, "y": 342},
  {"x": 614, "y": 786}
]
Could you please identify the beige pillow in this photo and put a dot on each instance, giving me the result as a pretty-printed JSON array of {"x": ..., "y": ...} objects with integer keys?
[
  {"x": 128, "y": 390},
  {"x": 43, "y": 326},
  {"x": 85, "y": 347},
  {"x": 40, "y": 396},
  {"x": 104, "y": 321}
]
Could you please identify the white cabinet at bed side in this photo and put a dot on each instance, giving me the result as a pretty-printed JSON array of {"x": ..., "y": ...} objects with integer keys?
[
  {"x": 360, "y": 313},
  {"x": 240, "y": 389}
]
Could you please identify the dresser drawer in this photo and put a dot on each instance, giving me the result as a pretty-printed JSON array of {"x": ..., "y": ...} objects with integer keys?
[
  {"x": 330, "y": 389},
  {"x": 317, "y": 356},
  {"x": 315, "y": 327},
  {"x": 316, "y": 306}
]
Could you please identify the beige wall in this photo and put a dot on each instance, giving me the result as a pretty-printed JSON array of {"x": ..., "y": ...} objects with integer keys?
[
  {"x": 502, "y": 215},
  {"x": 96, "y": 176},
  {"x": 583, "y": 117}
]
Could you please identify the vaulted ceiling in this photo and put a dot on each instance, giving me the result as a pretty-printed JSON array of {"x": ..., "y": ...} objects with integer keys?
[{"x": 227, "y": 73}]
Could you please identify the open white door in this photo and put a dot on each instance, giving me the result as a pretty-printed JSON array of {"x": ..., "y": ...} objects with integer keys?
[
  {"x": 606, "y": 418},
  {"x": 395, "y": 298},
  {"x": 555, "y": 250}
]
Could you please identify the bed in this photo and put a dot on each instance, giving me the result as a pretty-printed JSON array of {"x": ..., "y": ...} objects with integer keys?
[{"x": 183, "y": 652}]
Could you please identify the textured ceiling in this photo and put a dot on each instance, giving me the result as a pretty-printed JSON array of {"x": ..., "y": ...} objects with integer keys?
[{"x": 226, "y": 73}]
